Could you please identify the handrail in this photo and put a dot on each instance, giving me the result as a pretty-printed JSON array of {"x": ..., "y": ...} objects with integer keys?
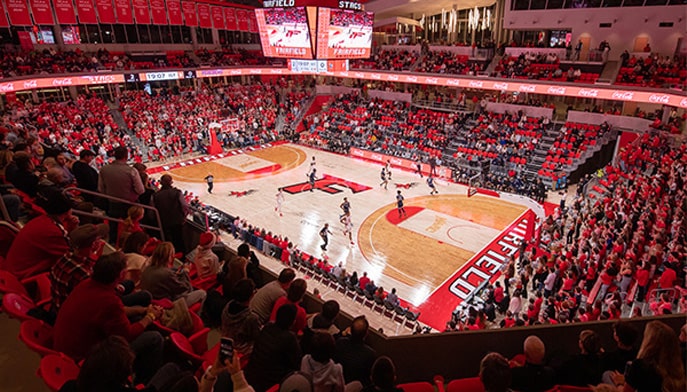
[{"x": 68, "y": 190}]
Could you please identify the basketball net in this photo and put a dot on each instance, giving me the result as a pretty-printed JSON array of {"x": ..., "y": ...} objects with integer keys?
[{"x": 472, "y": 189}]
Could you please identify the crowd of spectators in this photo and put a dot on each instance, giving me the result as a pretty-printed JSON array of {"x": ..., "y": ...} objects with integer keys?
[
  {"x": 543, "y": 66},
  {"x": 230, "y": 57},
  {"x": 652, "y": 71},
  {"x": 389, "y": 60}
]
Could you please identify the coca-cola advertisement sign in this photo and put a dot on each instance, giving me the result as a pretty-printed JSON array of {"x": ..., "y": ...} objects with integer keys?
[
  {"x": 659, "y": 98},
  {"x": 453, "y": 82},
  {"x": 432, "y": 80},
  {"x": 501, "y": 86},
  {"x": 683, "y": 103},
  {"x": 6, "y": 87},
  {"x": 30, "y": 83},
  {"x": 476, "y": 84},
  {"x": 589, "y": 93},
  {"x": 623, "y": 95},
  {"x": 411, "y": 79},
  {"x": 392, "y": 77},
  {"x": 62, "y": 82},
  {"x": 556, "y": 90},
  {"x": 528, "y": 88}
]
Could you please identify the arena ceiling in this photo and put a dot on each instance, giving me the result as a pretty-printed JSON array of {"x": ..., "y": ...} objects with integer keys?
[{"x": 390, "y": 8}]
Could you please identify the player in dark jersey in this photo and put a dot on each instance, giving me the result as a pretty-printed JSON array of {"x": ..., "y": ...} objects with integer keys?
[
  {"x": 399, "y": 204},
  {"x": 432, "y": 186}
]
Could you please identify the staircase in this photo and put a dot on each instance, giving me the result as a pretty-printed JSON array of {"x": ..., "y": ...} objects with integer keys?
[
  {"x": 492, "y": 65},
  {"x": 417, "y": 63},
  {"x": 609, "y": 73}
]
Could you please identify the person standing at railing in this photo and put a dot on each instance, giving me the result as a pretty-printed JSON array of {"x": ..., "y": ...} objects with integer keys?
[
  {"x": 122, "y": 181},
  {"x": 173, "y": 207}
]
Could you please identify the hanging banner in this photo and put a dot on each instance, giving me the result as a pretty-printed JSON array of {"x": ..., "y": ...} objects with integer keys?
[
  {"x": 218, "y": 17},
  {"x": 25, "y": 42},
  {"x": 253, "y": 27},
  {"x": 190, "y": 16},
  {"x": 18, "y": 12},
  {"x": 3, "y": 17},
  {"x": 242, "y": 19},
  {"x": 124, "y": 13},
  {"x": 105, "y": 11},
  {"x": 64, "y": 10},
  {"x": 204, "y": 18},
  {"x": 42, "y": 13},
  {"x": 141, "y": 11},
  {"x": 174, "y": 10},
  {"x": 230, "y": 19},
  {"x": 159, "y": 11}
]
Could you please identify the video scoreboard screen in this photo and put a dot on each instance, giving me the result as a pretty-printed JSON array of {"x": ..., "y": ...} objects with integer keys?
[
  {"x": 284, "y": 32},
  {"x": 344, "y": 34}
]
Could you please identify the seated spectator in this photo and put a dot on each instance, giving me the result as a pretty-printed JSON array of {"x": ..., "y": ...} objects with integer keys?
[
  {"x": 293, "y": 296},
  {"x": 115, "y": 355},
  {"x": 320, "y": 322},
  {"x": 534, "y": 375},
  {"x": 163, "y": 282},
  {"x": 276, "y": 352},
  {"x": 23, "y": 175},
  {"x": 495, "y": 373},
  {"x": 585, "y": 368},
  {"x": 206, "y": 261},
  {"x": 625, "y": 336},
  {"x": 93, "y": 312},
  {"x": 236, "y": 269},
  {"x": 212, "y": 373},
  {"x": 383, "y": 376},
  {"x": 353, "y": 354},
  {"x": 326, "y": 375},
  {"x": 42, "y": 241},
  {"x": 131, "y": 224},
  {"x": 658, "y": 366},
  {"x": 238, "y": 321},
  {"x": 392, "y": 298},
  {"x": 133, "y": 249},
  {"x": 77, "y": 264},
  {"x": 264, "y": 299}
]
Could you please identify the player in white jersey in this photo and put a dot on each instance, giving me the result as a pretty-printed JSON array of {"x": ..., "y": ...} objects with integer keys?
[
  {"x": 279, "y": 199},
  {"x": 312, "y": 166},
  {"x": 348, "y": 228}
]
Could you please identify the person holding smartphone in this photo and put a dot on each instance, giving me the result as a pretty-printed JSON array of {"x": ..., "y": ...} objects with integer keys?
[{"x": 225, "y": 361}]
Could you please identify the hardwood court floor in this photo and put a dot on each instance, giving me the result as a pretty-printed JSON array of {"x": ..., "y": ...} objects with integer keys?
[{"x": 415, "y": 254}]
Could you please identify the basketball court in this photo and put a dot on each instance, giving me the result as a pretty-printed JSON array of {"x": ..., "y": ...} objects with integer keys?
[{"x": 418, "y": 254}]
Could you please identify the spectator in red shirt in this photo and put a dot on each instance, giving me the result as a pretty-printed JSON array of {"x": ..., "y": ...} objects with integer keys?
[
  {"x": 668, "y": 277},
  {"x": 93, "y": 311},
  {"x": 364, "y": 280},
  {"x": 293, "y": 296},
  {"x": 43, "y": 240},
  {"x": 642, "y": 277}
]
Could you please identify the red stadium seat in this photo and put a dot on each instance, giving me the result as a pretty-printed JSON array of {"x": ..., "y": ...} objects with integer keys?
[
  {"x": 56, "y": 370},
  {"x": 422, "y": 386},
  {"x": 37, "y": 336},
  {"x": 471, "y": 384}
]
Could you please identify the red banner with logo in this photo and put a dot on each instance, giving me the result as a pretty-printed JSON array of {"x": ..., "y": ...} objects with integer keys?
[
  {"x": 124, "y": 12},
  {"x": 159, "y": 11},
  {"x": 253, "y": 27},
  {"x": 230, "y": 19},
  {"x": 141, "y": 11},
  {"x": 204, "y": 18},
  {"x": 218, "y": 17},
  {"x": 64, "y": 10},
  {"x": 105, "y": 11},
  {"x": 18, "y": 11},
  {"x": 190, "y": 16},
  {"x": 3, "y": 16},
  {"x": 174, "y": 11},
  {"x": 25, "y": 43},
  {"x": 242, "y": 19},
  {"x": 42, "y": 13}
]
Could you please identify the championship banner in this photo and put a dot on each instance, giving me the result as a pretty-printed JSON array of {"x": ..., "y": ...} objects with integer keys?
[
  {"x": 42, "y": 13},
  {"x": 3, "y": 18},
  {"x": 242, "y": 19},
  {"x": 64, "y": 10},
  {"x": 87, "y": 14},
  {"x": 230, "y": 19},
  {"x": 124, "y": 13},
  {"x": 204, "y": 18},
  {"x": 175, "y": 15},
  {"x": 141, "y": 11},
  {"x": 159, "y": 12},
  {"x": 190, "y": 16},
  {"x": 18, "y": 12},
  {"x": 218, "y": 17},
  {"x": 253, "y": 27}
]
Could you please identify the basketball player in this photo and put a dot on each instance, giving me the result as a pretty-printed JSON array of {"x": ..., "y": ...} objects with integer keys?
[
  {"x": 312, "y": 178},
  {"x": 432, "y": 186},
  {"x": 210, "y": 179},
  {"x": 418, "y": 164},
  {"x": 388, "y": 169},
  {"x": 384, "y": 178},
  {"x": 399, "y": 204},
  {"x": 312, "y": 166},
  {"x": 348, "y": 227},
  {"x": 324, "y": 234},
  {"x": 279, "y": 199},
  {"x": 346, "y": 208}
]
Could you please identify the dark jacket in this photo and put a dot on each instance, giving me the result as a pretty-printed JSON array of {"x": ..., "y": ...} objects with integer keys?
[
  {"x": 276, "y": 354},
  {"x": 242, "y": 325},
  {"x": 356, "y": 358},
  {"x": 533, "y": 378},
  {"x": 169, "y": 202}
]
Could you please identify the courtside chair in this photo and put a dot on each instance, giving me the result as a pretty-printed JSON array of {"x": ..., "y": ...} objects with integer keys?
[
  {"x": 422, "y": 386},
  {"x": 17, "y": 306},
  {"x": 37, "y": 336},
  {"x": 56, "y": 370},
  {"x": 470, "y": 384}
]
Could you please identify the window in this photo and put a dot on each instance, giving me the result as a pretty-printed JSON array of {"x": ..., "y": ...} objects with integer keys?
[
  {"x": 185, "y": 35},
  {"x": 131, "y": 34},
  {"x": 119, "y": 33},
  {"x": 107, "y": 33},
  {"x": 166, "y": 34}
]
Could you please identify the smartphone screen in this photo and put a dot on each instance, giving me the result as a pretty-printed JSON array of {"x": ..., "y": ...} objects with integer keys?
[{"x": 226, "y": 349}]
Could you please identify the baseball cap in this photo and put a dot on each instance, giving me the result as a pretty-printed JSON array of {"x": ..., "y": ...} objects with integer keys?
[{"x": 85, "y": 235}]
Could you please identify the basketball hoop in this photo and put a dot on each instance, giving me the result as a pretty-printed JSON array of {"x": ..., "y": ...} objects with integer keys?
[{"x": 472, "y": 191}]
